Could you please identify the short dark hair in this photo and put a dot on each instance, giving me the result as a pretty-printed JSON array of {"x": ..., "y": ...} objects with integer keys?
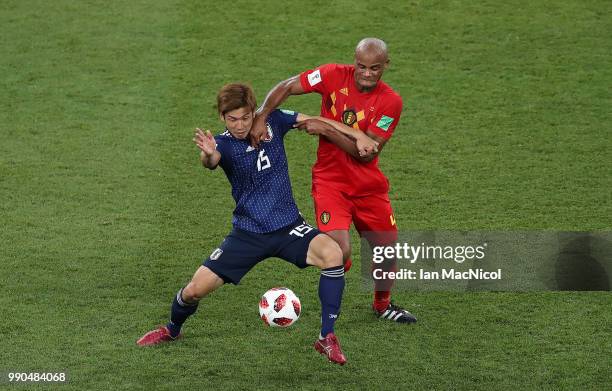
[{"x": 235, "y": 96}]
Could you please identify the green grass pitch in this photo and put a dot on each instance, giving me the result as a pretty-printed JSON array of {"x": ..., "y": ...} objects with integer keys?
[{"x": 105, "y": 211}]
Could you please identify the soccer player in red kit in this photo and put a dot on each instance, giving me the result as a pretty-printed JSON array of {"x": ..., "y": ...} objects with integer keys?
[{"x": 348, "y": 187}]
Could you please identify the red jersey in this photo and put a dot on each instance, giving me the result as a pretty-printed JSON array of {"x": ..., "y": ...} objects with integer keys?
[{"x": 377, "y": 111}]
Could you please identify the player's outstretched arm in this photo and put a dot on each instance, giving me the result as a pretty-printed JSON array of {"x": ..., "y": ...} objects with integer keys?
[
  {"x": 354, "y": 142},
  {"x": 365, "y": 143},
  {"x": 209, "y": 155},
  {"x": 364, "y": 138},
  {"x": 344, "y": 142},
  {"x": 275, "y": 98}
]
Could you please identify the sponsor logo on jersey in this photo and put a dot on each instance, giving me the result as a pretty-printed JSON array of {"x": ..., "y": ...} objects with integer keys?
[
  {"x": 216, "y": 254},
  {"x": 314, "y": 78},
  {"x": 349, "y": 117},
  {"x": 325, "y": 217},
  {"x": 249, "y": 149},
  {"x": 384, "y": 122},
  {"x": 344, "y": 91}
]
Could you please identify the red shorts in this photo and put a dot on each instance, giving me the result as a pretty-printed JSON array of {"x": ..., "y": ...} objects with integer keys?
[{"x": 372, "y": 214}]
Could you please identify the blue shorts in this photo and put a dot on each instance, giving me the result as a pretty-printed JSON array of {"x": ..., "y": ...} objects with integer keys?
[{"x": 242, "y": 250}]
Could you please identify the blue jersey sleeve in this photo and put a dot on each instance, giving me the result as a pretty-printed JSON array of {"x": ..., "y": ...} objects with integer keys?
[
  {"x": 284, "y": 120},
  {"x": 223, "y": 149}
]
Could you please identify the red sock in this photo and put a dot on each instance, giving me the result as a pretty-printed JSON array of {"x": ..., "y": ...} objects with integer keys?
[
  {"x": 381, "y": 300},
  {"x": 382, "y": 288},
  {"x": 347, "y": 265}
]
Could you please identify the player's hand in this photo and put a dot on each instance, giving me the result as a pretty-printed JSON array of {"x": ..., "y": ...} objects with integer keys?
[
  {"x": 205, "y": 141},
  {"x": 259, "y": 130},
  {"x": 366, "y": 146},
  {"x": 312, "y": 126}
]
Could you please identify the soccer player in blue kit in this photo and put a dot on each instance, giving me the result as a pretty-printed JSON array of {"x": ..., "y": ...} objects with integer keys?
[{"x": 266, "y": 221}]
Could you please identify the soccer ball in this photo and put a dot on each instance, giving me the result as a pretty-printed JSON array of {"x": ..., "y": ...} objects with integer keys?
[{"x": 279, "y": 307}]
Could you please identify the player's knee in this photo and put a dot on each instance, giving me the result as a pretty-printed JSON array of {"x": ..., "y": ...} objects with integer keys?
[
  {"x": 192, "y": 293},
  {"x": 203, "y": 282},
  {"x": 331, "y": 254},
  {"x": 343, "y": 239},
  {"x": 324, "y": 252}
]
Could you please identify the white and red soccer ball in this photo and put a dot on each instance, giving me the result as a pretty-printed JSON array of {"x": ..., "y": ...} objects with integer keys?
[{"x": 279, "y": 307}]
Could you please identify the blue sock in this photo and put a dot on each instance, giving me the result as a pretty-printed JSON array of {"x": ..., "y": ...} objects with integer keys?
[
  {"x": 180, "y": 312},
  {"x": 331, "y": 286}
]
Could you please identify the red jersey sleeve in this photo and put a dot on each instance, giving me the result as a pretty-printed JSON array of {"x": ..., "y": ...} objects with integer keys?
[
  {"x": 387, "y": 116},
  {"x": 319, "y": 79}
]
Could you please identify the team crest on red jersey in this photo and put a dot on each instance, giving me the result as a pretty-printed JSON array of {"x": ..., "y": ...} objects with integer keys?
[
  {"x": 325, "y": 217},
  {"x": 349, "y": 117}
]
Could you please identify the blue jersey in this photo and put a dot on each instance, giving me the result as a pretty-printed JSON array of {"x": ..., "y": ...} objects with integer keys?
[{"x": 260, "y": 177}]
